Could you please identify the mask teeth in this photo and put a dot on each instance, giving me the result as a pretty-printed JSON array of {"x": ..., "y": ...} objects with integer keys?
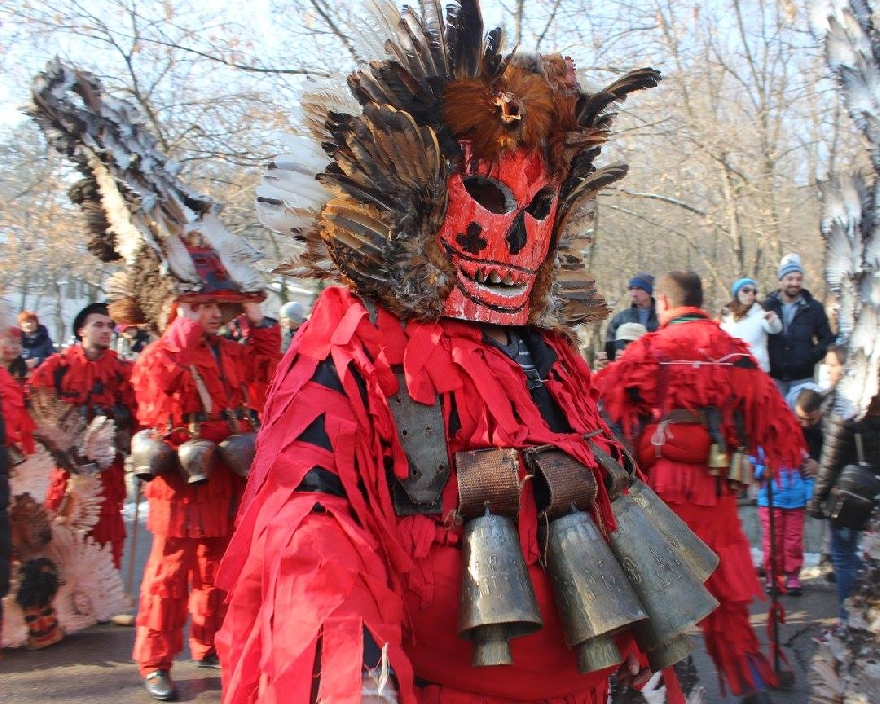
[
  {"x": 495, "y": 278},
  {"x": 481, "y": 276},
  {"x": 508, "y": 280}
]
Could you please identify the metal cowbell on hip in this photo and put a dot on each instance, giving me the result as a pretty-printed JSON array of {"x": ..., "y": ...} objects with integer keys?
[
  {"x": 673, "y": 596},
  {"x": 593, "y": 596},
  {"x": 497, "y": 599},
  {"x": 197, "y": 460},
  {"x": 150, "y": 455},
  {"x": 237, "y": 452}
]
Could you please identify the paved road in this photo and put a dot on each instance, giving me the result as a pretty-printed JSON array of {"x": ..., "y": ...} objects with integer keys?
[{"x": 95, "y": 665}]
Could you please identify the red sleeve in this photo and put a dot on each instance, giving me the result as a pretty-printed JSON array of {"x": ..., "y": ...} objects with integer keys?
[
  {"x": 19, "y": 424},
  {"x": 309, "y": 573},
  {"x": 161, "y": 375},
  {"x": 260, "y": 354}
]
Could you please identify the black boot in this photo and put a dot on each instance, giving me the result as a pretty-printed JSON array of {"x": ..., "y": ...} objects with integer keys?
[
  {"x": 210, "y": 661},
  {"x": 160, "y": 686}
]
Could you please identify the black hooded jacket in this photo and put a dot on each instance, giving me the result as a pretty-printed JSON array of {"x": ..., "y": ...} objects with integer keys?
[{"x": 795, "y": 351}]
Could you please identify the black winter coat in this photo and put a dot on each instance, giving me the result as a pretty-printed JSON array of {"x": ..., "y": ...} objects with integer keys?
[
  {"x": 631, "y": 315},
  {"x": 796, "y": 351},
  {"x": 839, "y": 450},
  {"x": 37, "y": 345}
]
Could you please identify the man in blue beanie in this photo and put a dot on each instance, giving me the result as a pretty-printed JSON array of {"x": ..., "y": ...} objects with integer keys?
[
  {"x": 641, "y": 290},
  {"x": 805, "y": 335}
]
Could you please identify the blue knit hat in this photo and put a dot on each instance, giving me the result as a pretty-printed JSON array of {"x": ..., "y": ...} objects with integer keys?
[
  {"x": 643, "y": 281},
  {"x": 739, "y": 283},
  {"x": 790, "y": 264}
]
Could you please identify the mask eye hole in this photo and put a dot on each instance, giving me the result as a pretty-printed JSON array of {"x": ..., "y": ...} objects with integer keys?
[
  {"x": 540, "y": 206},
  {"x": 493, "y": 195}
]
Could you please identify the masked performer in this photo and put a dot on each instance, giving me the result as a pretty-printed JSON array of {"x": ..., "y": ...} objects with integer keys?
[
  {"x": 388, "y": 519},
  {"x": 185, "y": 275},
  {"x": 683, "y": 417},
  {"x": 92, "y": 377}
]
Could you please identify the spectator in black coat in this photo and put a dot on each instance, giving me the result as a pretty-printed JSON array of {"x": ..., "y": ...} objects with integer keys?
[
  {"x": 35, "y": 342},
  {"x": 805, "y": 335},
  {"x": 641, "y": 311}
]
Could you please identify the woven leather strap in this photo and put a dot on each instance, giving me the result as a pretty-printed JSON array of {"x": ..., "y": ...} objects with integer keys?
[
  {"x": 569, "y": 483},
  {"x": 488, "y": 479}
]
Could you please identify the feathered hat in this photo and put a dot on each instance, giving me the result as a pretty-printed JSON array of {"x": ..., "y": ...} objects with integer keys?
[
  {"x": 461, "y": 179},
  {"x": 170, "y": 239}
]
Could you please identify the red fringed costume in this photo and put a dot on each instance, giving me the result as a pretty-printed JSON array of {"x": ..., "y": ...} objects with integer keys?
[
  {"x": 99, "y": 387},
  {"x": 689, "y": 365},
  {"x": 309, "y": 572},
  {"x": 16, "y": 433},
  {"x": 191, "y": 525}
]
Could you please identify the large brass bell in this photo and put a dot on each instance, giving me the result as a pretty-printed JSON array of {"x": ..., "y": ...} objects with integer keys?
[
  {"x": 150, "y": 456},
  {"x": 667, "y": 587},
  {"x": 593, "y": 596},
  {"x": 497, "y": 599},
  {"x": 237, "y": 452},
  {"x": 196, "y": 460},
  {"x": 699, "y": 556}
]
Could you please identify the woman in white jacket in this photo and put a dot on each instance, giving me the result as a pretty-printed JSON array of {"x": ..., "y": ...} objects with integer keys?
[{"x": 746, "y": 319}]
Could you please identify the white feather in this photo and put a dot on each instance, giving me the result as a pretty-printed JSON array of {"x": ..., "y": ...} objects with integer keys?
[{"x": 234, "y": 252}]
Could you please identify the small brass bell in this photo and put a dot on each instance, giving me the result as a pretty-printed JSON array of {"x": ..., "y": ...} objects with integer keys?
[
  {"x": 671, "y": 593},
  {"x": 699, "y": 556},
  {"x": 497, "y": 599},
  {"x": 593, "y": 596},
  {"x": 718, "y": 459}
]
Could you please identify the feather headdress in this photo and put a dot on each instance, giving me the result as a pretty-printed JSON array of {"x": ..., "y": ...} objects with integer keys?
[
  {"x": 850, "y": 220},
  {"x": 396, "y": 136},
  {"x": 170, "y": 238}
]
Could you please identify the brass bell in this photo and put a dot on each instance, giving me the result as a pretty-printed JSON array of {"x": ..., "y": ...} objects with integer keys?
[
  {"x": 667, "y": 587},
  {"x": 740, "y": 467},
  {"x": 150, "y": 456},
  {"x": 497, "y": 599},
  {"x": 670, "y": 653},
  {"x": 718, "y": 459},
  {"x": 196, "y": 460},
  {"x": 699, "y": 556},
  {"x": 237, "y": 452},
  {"x": 593, "y": 596}
]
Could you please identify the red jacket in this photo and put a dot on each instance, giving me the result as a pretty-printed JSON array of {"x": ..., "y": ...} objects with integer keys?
[
  {"x": 168, "y": 396},
  {"x": 101, "y": 383}
]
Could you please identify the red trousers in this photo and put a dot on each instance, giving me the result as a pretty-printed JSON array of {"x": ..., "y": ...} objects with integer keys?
[
  {"x": 788, "y": 531},
  {"x": 178, "y": 579}
]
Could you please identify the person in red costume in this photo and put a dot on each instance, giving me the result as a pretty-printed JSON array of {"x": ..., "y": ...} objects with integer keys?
[
  {"x": 92, "y": 377},
  {"x": 675, "y": 393},
  {"x": 191, "y": 379},
  {"x": 455, "y": 196},
  {"x": 15, "y": 435}
]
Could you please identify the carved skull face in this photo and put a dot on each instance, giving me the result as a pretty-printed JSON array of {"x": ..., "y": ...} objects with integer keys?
[{"x": 497, "y": 231}]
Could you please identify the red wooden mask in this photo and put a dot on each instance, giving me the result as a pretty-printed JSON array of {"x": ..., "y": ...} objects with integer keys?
[{"x": 497, "y": 231}]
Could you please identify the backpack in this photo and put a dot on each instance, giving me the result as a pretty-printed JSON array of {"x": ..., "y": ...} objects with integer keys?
[{"x": 855, "y": 494}]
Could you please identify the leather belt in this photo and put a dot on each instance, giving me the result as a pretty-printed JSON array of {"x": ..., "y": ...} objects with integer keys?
[
  {"x": 230, "y": 414},
  {"x": 682, "y": 415}
]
